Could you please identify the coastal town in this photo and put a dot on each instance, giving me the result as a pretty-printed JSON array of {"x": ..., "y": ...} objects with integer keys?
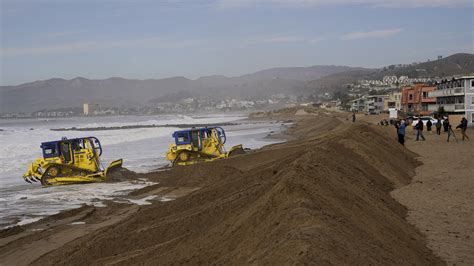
[
  {"x": 397, "y": 96},
  {"x": 454, "y": 96}
]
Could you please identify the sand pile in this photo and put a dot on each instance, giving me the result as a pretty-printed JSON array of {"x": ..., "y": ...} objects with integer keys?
[{"x": 322, "y": 199}]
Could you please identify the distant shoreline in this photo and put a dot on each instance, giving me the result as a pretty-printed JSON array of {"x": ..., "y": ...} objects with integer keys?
[{"x": 141, "y": 126}]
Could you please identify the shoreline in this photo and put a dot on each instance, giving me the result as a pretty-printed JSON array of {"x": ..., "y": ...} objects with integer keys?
[
  {"x": 192, "y": 190},
  {"x": 258, "y": 131}
]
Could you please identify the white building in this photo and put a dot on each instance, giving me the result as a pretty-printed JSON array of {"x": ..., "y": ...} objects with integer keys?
[
  {"x": 370, "y": 104},
  {"x": 90, "y": 108},
  {"x": 456, "y": 96}
]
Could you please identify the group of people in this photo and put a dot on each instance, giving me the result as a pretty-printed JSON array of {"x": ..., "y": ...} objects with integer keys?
[{"x": 419, "y": 127}]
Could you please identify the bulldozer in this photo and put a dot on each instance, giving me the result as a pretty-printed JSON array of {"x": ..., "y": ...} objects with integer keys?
[
  {"x": 199, "y": 145},
  {"x": 70, "y": 161}
]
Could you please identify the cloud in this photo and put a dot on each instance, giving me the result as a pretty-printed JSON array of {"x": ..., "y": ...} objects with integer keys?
[
  {"x": 319, "y": 3},
  {"x": 283, "y": 39},
  {"x": 65, "y": 33},
  {"x": 79, "y": 47},
  {"x": 371, "y": 34}
]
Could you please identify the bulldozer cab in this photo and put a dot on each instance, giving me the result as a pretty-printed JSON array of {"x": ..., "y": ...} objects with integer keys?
[
  {"x": 197, "y": 136},
  {"x": 67, "y": 148}
]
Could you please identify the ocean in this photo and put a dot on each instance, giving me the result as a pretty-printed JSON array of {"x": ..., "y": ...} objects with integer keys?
[{"x": 142, "y": 149}]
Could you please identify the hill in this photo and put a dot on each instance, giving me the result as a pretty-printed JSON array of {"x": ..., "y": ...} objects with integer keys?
[
  {"x": 457, "y": 64},
  {"x": 60, "y": 93}
]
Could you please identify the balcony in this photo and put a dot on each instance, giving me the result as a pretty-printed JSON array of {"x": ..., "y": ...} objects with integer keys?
[
  {"x": 447, "y": 107},
  {"x": 446, "y": 92}
]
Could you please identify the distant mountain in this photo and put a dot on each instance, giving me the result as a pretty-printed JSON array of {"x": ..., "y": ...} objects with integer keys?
[
  {"x": 60, "y": 93},
  {"x": 457, "y": 64},
  {"x": 297, "y": 73}
]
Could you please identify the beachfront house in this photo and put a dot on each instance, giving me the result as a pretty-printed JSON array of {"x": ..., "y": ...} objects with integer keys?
[
  {"x": 374, "y": 104},
  {"x": 369, "y": 104},
  {"x": 393, "y": 101},
  {"x": 358, "y": 105},
  {"x": 416, "y": 99},
  {"x": 456, "y": 96}
]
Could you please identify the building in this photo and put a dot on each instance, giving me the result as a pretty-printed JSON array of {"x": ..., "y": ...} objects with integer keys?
[
  {"x": 370, "y": 104},
  {"x": 390, "y": 79},
  {"x": 374, "y": 104},
  {"x": 393, "y": 101},
  {"x": 358, "y": 105},
  {"x": 417, "y": 101},
  {"x": 90, "y": 108},
  {"x": 456, "y": 96}
]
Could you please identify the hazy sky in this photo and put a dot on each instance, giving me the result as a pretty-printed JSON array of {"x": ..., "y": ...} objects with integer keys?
[{"x": 155, "y": 39}]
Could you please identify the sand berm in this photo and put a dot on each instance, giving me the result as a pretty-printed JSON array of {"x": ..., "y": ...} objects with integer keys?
[{"x": 321, "y": 198}]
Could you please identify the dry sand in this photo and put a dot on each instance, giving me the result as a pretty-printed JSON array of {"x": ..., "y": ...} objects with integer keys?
[
  {"x": 323, "y": 198},
  {"x": 441, "y": 197}
]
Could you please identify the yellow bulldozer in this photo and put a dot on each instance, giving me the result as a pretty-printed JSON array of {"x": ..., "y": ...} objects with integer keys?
[
  {"x": 199, "y": 145},
  {"x": 70, "y": 161}
]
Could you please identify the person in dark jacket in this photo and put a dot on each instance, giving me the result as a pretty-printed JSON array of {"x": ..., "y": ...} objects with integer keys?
[
  {"x": 429, "y": 124},
  {"x": 446, "y": 125},
  {"x": 419, "y": 130},
  {"x": 438, "y": 127},
  {"x": 463, "y": 127}
]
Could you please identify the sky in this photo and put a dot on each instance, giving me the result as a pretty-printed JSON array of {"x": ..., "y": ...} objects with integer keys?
[{"x": 144, "y": 39}]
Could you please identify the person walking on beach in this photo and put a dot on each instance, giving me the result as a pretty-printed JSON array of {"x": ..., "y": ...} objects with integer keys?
[
  {"x": 446, "y": 125},
  {"x": 429, "y": 124},
  {"x": 401, "y": 132},
  {"x": 353, "y": 117},
  {"x": 438, "y": 127},
  {"x": 419, "y": 130},
  {"x": 463, "y": 127},
  {"x": 451, "y": 132}
]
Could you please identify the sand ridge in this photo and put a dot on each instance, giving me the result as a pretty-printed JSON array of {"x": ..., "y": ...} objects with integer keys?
[{"x": 323, "y": 198}]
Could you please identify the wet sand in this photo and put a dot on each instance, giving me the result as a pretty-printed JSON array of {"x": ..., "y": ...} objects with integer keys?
[{"x": 323, "y": 197}]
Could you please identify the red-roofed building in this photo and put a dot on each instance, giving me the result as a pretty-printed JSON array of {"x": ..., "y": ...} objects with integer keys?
[{"x": 415, "y": 99}]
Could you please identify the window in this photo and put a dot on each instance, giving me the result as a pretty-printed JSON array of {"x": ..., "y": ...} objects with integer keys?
[
  {"x": 425, "y": 94},
  {"x": 472, "y": 100},
  {"x": 410, "y": 96},
  {"x": 182, "y": 137},
  {"x": 49, "y": 150},
  {"x": 472, "y": 83}
]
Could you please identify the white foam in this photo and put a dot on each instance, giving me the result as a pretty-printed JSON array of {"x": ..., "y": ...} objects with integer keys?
[
  {"x": 165, "y": 199},
  {"x": 28, "y": 220},
  {"x": 143, "y": 201}
]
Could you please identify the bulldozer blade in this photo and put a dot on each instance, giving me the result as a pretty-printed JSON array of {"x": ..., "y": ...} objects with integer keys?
[
  {"x": 237, "y": 149},
  {"x": 27, "y": 180},
  {"x": 114, "y": 165}
]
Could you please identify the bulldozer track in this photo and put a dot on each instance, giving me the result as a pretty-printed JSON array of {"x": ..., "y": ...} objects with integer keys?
[{"x": 62, "y": 171}]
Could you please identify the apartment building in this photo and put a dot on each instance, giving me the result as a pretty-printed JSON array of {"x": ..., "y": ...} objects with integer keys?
[
  {"x": 370, "y": 104},
  {"x": 456, "y": 96},
  {"x": 393, "y": 101},
  {"x": 416, "y": 99}
]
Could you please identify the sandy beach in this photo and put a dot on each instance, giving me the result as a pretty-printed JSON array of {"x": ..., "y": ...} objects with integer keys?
[{"x": 336, "y": 193}]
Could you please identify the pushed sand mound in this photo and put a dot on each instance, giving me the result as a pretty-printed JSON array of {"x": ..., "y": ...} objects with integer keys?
[{"x": 322, "y": 199}]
